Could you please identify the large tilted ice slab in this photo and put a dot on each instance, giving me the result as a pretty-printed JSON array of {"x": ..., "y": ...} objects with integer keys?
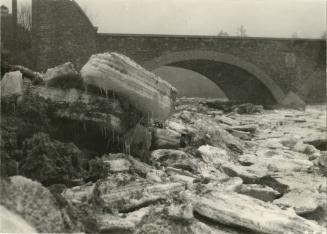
[{"x": 144, "y": 90}]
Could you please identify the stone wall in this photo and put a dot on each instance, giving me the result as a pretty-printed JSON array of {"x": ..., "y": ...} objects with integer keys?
[{"x": 61, "y": 32}]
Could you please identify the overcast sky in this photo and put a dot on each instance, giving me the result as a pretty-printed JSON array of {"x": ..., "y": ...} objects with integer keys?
[
  {"x": 270, "y": 18},
  {"x": 275, "y": 18}
]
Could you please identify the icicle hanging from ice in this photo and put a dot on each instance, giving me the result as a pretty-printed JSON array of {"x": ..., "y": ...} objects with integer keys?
[{"x": 127, "y": 147}]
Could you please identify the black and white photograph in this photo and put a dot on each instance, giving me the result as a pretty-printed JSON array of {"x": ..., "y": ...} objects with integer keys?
[{"x": 163, "y": 116}]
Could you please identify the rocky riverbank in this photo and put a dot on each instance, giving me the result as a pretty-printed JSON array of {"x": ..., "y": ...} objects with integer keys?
[{"x": 111, "y": 150}]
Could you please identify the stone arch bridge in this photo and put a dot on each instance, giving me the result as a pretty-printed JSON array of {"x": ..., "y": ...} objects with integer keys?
[{"x": 260, "y": 70}]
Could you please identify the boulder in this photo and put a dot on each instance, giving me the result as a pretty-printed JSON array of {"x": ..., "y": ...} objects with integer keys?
[
  {"x": 145, "y": 91},
  {"x": 32, "y": 202},
  {"x": 12, "y": 84},
  {"x": 233, "y": 209}
]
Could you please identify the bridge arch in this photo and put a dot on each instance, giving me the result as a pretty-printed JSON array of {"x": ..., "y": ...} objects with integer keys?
[{"x": 180, "y": 56}]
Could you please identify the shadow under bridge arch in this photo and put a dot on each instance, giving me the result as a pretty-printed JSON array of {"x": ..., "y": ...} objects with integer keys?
[{"x": 240, "y": 80}]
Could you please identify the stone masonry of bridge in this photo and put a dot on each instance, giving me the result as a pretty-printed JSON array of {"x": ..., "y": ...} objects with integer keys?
[{"x": 62, "y": 32}]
